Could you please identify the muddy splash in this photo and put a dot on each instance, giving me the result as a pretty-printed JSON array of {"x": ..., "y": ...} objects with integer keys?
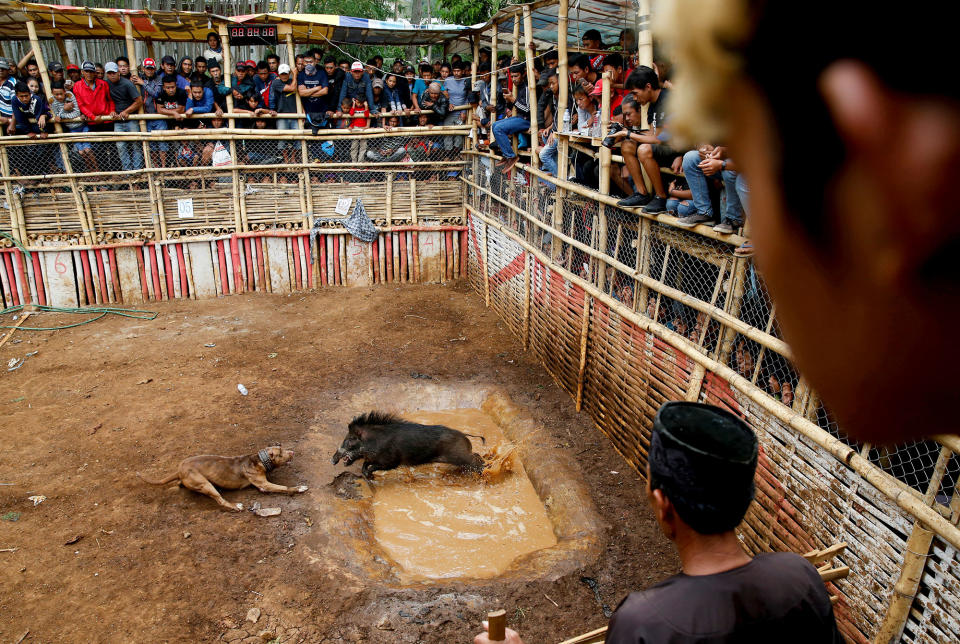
[{"x": 437, "y": 523}]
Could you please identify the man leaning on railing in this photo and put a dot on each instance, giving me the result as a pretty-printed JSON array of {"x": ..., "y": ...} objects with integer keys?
[{"x": 126, "y": 100}]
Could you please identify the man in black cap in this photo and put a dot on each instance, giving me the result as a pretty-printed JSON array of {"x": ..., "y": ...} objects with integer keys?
[
  {"x": 55, "y": 70},
  {"x": 700, "y": 473}
]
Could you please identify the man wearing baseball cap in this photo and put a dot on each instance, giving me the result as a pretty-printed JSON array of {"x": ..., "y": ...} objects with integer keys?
[
  {"x": 358, "y": 88},
  {"x": 55, "y": 69},
  {"x": 700, "y": 482},
  {"x": 93, "y": 97},
  {"x": 169, "y": 65},
  {"x": 126, "y": 100},
  {"x": 73, "y": 73},
  {"x": 150, "y": 87}
]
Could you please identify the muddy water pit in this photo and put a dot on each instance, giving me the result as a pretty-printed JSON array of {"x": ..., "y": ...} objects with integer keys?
[{"x": 527, "y": 517}]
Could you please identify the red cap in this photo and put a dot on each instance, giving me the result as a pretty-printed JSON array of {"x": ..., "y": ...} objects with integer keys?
[
  {"x": 69, "y": 67},
  {"x": 149, "y": 62},
  {"x": 250, "y": 63},
  {"x": 597, "y": 88}
]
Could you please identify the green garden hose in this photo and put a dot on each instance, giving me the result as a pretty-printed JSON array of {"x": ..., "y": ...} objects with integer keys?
[{"x": 103, "y": 312}]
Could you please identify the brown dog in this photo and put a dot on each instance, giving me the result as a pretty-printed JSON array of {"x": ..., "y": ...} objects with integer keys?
[{"x": 202, "y": 473}]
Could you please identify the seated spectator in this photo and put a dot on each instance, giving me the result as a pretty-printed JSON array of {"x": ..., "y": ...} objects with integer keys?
[
  {"x": 700, "y": 483},
  {"x": 126, "y": 100},
  {"x": 214, "y": 50},
  {"x": 283, "y": 98},
  {"x": 389, "y": 149},
  {"x": 582, "y": 72},
  {"x": 698, "y": 167},
  {"x": 64, "y": 109},
  {"x": 520, "y": 122},
  {"x": 547, "y": 108},
  {"x": 357, "y": 86},
  {"x": 680, "y": 198},
  {"x": 93, "y": 97},
  {"x": 588, "y": 111},
  {"x": 648, "y": 149}
]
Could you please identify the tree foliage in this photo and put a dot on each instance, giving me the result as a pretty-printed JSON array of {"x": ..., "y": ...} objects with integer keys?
[
  {"x": 468, "y": 12},
  {"x": 372, "y": 9}
]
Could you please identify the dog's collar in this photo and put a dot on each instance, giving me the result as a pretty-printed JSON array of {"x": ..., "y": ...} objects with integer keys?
[{"x": 265, "y": 459}]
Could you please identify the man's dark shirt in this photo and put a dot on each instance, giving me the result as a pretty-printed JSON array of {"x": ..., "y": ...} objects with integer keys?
[
  {"x": 776, "y": 597},
  {"x": 657, "y": 112},
  {"x": 123, "y": 93}
]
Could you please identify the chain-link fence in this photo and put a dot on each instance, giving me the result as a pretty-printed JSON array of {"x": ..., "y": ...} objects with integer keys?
[{"x": 105, "y": 187}]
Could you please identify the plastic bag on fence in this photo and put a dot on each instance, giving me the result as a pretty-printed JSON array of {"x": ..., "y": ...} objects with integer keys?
[
  {"x": 221, "y": 155},
  {"x": 359, "y": 224}
]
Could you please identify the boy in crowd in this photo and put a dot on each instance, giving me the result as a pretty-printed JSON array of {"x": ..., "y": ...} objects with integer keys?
[
  {"x": 283, "y": 99},
  {"x": 504, "y": 129},
  {"x": 335, "y": 77},
  {"x": 648, "y": 150},
  {"x": 26, "y": 106},
  {"x": 73, "y": 73},
  {"x": 172, "y": 101},
  {"x": 126, "y": 100},
  {"x": 123, "y": 64},
  {"x": 581, "y": 71},
  {"x": 218, "y": 83},
  {"x": 150, "y": 88},
  {"x": 169, "y": 66},
  {"x": 263, "y": 77},
  {"x": 64, "y": 108}
]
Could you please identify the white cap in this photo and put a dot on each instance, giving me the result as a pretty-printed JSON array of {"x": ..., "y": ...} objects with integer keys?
[
  {"x": 111, "y": 67},
  {"x": 357, "y": 66},
  {"x": 283, "y": 69}
]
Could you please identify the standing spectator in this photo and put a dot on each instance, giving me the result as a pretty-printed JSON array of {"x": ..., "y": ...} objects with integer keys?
[
  {"x": 30, "y": 68},
  {"x": 313, "y": 87},
  {"x": 126, "y": 100},
  {"x": 200, "y": 66},
  {"x": 273, "y": 64},
  {"x": 73, "y": 73},
  {"x": 93, "y": 96},
  {"x": 457, "y": 88},
  {"x": 55, "y": 70},
  {"x": 123, "y": 64},
  {"x": 242, "y": 83},
  {"x": 7, "y": 93},
  {"x": 150, "y": 88},
  {"x": 594, "y": 41},
  {"x": 262, "y": 79},
  {"x": 199, "y": 101},
  {"x": 283, "y": 99},
  {"x": 169, "y": 66},
  {"x": 99, "y": 70},
  {"x": 218, "y": 83},
  {"x": 214, "y": 50},
  {"x": 185, "y": 68},
  {"x": 700, "y": 164},
  {"x": 64, "y": 108},
  {"x": 648, "y": 150},
  {"x": 520, "y": 122},
  {"x": 357, "y": 86},
  {"x": 392, "y": 99},
  {"x": 172, "y": 102}
]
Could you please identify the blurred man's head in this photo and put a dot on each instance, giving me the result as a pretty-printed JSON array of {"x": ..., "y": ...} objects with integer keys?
[
  {"x": 168, "y": 64},
  {"x": 22, "y": 91},
  {"x": 700, "y": 469},
  {"x": 123, "y": 63},
  {"x": 169, "y": 83},
  {"x": 58, "y": 90},
  {"x": 643, "y": 84}
]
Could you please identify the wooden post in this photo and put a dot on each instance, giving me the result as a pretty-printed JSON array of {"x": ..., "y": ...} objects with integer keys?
[
  {"x": 17, "y": 223},
  {"x": 563, "y": 143},
  {"x": 605, "y": 154},
  {"x": 644, "y": 36},
  {"x": 531, "y": 84},
  {"x": 497, "y": 625},
  {"x": 516, "y": 36},
  {"x": 38, "y": 56},
  {"x": 471, "y": 116},
  {"x": 734, "y": 299},
  {"x": 150, "y": 51},
  {"x": 915, "y": 555},
  {"x": 287, "y": 29},
  {"x": 526, "y": 299},
  {"x": 62, "y": 48},
  {"x": 227, "y": 75},
  {"x": 486, "y": 267},
  {"x": 584, "y": 333},
  {"x": 389, "y": 206}
]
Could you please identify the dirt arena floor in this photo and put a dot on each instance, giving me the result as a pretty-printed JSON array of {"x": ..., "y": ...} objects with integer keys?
[{"x": 107, "y": 558}]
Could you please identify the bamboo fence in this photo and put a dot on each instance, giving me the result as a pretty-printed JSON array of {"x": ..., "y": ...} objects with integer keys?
[{"x": 630, "y": 312}]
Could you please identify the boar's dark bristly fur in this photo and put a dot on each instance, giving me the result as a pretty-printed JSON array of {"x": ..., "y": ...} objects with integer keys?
[{"x": 385, "y": 441}]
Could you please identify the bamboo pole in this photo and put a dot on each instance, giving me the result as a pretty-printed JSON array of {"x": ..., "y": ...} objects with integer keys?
[
  {"x": 486, "y": 265},
  {"x": 604, "y": 170},
  {"x": 494, "y": 75},
  {"x": 389, "y": 202},
  {"x": 724, "y": 317},
  {"x": 41, "y": 63},
  {"x": 516, "y": 36},
  {"x": 18, "y": 224},
  {"x": 292, "y": 61},
  {"x": 471, "y": 115},
  {"x": 584, "y": 334},
  {"x": 132, "y": 55},
  {"x": 644, "y": 35},
  {"x": 670, "y": 220},
  {"x": 563, "y": 143},
  {"x": 915, "y": 555},
  {"x": 227, "y": 71},
  {"x": 894, "y": 490},
  {"x": 526, "y": 301},
  {"x": 62, "y": 48},
  {"x": 531, "y": 82},
  {"x": 413, "y": 199}
]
